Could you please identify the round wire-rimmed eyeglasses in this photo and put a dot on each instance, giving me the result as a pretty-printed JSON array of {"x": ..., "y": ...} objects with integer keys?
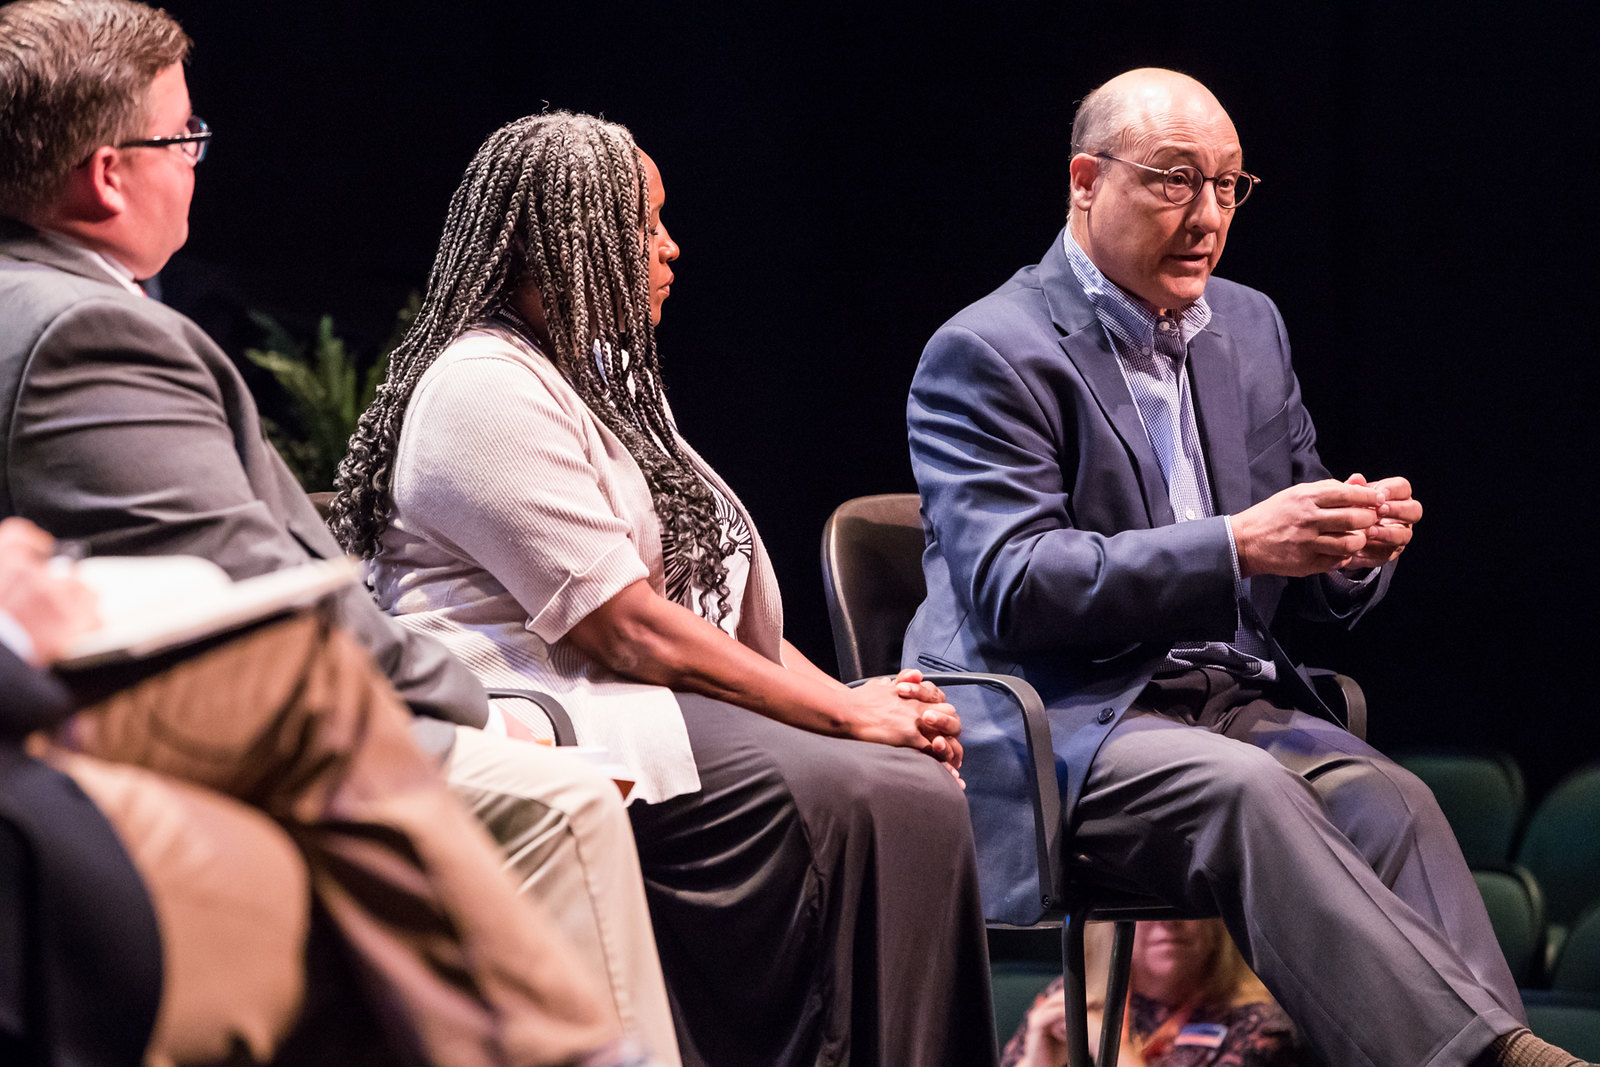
[{"x": 1181, "y": 184}]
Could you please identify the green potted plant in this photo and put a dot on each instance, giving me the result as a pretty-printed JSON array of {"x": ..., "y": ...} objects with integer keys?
[{"x": 326, "y": 391}]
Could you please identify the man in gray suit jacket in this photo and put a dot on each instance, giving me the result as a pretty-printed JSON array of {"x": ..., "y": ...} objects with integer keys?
[
  {"x": 128, "y": 429},
  {"x": 1120, "y": 488},
  {"x": 124, "y": 426}
]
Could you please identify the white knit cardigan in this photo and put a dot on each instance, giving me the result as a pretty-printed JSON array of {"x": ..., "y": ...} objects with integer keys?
[{"x": 515, "y": 514}]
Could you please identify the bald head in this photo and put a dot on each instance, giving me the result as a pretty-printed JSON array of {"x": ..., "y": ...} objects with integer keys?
[
  {"x": 1138, "y": 104},
  {"x": 1130, "y": 134}
]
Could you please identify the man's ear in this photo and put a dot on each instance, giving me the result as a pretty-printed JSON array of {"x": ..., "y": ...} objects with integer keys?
[
  {"x": 1082, "y": 173},
  {"x": 95, "y": 191}
]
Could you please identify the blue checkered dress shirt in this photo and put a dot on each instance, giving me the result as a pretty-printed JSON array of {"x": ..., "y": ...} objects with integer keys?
[{"x": 1152, "y": 352}]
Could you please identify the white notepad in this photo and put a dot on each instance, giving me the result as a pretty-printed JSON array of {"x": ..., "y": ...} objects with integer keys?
[{"x": 148, "y": 604}]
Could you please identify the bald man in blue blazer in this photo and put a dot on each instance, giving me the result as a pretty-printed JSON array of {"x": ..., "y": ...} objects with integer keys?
[{"x": 1121, "y": 490}]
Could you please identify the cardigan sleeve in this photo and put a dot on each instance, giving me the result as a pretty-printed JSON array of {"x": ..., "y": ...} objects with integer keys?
[{"x": 496, "y": 468}]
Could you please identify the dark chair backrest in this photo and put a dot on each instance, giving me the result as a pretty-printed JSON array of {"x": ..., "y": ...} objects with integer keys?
[
  {"x": 872, "y": 577},
  {"x": 1516, "y": 911},
  {"x": 1561, "y": 845},
  {"x": 1578, "y": 968},
  {"x": 1482, "y": 796}
]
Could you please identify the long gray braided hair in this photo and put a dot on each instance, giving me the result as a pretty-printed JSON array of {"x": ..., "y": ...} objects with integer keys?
[{"x": 559, "y": 200}]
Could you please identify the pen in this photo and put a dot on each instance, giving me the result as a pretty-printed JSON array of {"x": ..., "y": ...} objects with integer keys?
[
  {"x": 65, "y": 554},
  {"x": 70, "y": 549}
]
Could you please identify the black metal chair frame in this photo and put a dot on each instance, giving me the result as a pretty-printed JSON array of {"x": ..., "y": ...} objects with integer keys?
[
  {"x": 560, "y": 721},
  {"x": 1065, "y": 899}
]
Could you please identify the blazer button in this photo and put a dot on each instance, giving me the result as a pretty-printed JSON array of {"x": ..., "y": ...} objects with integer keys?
[{"x": 1105, "y": 716}]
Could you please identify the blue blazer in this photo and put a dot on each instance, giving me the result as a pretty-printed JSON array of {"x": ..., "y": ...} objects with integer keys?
[{"x": 1051, "y": 547}]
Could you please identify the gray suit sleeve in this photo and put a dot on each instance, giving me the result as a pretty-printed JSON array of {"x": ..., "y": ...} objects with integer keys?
[{"x": 133, "y": 431}]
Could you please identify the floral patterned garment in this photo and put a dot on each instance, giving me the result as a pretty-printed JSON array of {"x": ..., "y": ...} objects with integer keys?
[{"x": 1251, "y": 1035}]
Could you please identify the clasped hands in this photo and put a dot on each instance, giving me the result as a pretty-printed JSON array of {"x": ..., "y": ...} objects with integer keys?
[
  {"x": 1317, "y": 527},
  {"x": 906, "y": 710}
]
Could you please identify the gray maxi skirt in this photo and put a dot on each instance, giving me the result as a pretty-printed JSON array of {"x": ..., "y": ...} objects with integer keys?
[{"x": 816, "y": 902}]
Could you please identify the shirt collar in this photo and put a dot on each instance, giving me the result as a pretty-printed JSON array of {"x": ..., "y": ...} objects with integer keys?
[
  {"x": 1125, "y": 318},
  {"x": 113, "y": 270}
]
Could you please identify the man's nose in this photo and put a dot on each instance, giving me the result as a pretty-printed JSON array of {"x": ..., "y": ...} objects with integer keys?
[{"x": 1205, "y": 213}]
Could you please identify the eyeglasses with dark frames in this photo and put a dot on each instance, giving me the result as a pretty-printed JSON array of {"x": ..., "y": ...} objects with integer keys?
[
  {"x": 193, "y": 142},
  {"x": 1181, "y": 184}
]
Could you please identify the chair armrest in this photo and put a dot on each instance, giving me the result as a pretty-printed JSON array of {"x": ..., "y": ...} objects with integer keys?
[
  {"x": 1045, "y": 793},
  {"x": 1341, "y": 693},
  {"x": 560, "y": 721}
]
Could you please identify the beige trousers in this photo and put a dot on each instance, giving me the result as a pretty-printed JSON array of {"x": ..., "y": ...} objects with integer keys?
[
  {"x": 232, "y": 900},
  {"x": 568, "y": 843},
  {"x": 292, "y": 720}
]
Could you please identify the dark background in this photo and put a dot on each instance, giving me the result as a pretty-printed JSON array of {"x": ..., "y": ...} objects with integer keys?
[{"x": 842, "y": 179}]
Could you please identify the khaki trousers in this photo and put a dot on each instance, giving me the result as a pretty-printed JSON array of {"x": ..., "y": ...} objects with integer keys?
[
  {"x": 232, "y": 901},
  {"x": 292, "y": 720},
  {"x": 566, "y": 841}
]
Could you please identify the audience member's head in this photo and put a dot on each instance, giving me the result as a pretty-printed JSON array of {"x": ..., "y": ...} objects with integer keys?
[
  {"x": 85, "y": 86},
  {"x": 1185, "y": 970},
  {"x": 1174, "y": 960},
  {"x": 557, "y": 223},
  {"x": 1177, "y": 959}
]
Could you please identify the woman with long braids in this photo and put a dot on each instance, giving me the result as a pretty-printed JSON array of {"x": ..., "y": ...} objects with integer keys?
[{"x": 523, "y": 494}]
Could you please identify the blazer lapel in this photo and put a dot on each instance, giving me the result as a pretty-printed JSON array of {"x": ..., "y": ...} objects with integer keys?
[
  {"x": 1091, "y": 353},
  {"x": 1089, "y": 348},
  {"x": 1214, "y": 376}
]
